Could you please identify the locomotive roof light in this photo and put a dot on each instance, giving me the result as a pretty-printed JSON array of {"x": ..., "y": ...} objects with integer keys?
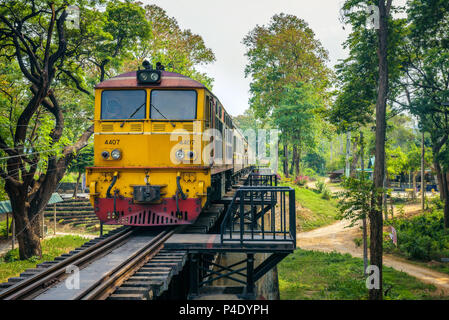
[
  {"x": 148, "y": 75},
  {"x": 116, "y": 154}
]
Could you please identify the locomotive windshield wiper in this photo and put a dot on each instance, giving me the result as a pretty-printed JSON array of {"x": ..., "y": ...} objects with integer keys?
[
  {"x": 173, "y": 125},
  {"x": 133, "y": 114}
]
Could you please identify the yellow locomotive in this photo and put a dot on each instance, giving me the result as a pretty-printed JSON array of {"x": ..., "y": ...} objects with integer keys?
[{"x": 164, "y": 148}]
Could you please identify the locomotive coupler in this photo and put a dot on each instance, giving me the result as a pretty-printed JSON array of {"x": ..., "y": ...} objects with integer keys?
[{"x": 146, "y": 193}]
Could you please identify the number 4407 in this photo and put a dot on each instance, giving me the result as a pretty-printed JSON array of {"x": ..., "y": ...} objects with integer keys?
[{"x": 113, "y": 141}]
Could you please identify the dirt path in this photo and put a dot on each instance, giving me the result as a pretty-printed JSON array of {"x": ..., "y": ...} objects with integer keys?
[{"x": 336, "y": 237}]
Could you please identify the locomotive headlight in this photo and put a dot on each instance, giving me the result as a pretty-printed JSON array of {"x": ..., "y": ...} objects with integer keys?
[
  {"x": 148, "y": 76},
  {"x": 144, "y": 76},
  {"x": 105, "y": 155},
  {"x": 154, "y": 76},
  {"x": 180, "y": 154},
  {"x": 116, "y": 154}
]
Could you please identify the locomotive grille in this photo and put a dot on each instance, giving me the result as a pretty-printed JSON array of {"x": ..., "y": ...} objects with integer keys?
[
  {"x": 159, "y": 127},
  {"x": 107, "y": 127},
  {"x": 188, "y": 126},
  {"x": 136, "y": 127}
]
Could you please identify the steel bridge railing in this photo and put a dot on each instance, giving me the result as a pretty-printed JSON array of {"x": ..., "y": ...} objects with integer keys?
[
  {"x": 266, "y": 180},
  {"x": 260, "y": 213}
]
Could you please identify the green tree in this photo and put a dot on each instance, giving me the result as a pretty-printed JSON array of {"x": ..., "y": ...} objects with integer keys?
[
  {"x": 49, "y": 66},
  {"x": 124, "y": 26},
  {"x": 426, "y": 84},
  {"x": 285, "y": 54},
  {"x": 298, "y": 120},
  {"x": 378, "y": 58},
  {"x": 84, "y": 158},
  {"x": 396, "y": 161},
  {"x": 178, "y": 50}
]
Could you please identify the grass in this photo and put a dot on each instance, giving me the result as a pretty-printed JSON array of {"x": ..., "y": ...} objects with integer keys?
[
  {"x": 11, "y": 266},
  {"x": 3, "y": 227},
  {"x": 306, "y": 275},
  {"x": 316, "y": 212}
]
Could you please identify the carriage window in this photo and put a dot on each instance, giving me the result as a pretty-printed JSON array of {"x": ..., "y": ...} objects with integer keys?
[
  {"x": 207, "y": 112},
  {"x": 173, "y": 104},
  {"x": 123, "y": 104}
]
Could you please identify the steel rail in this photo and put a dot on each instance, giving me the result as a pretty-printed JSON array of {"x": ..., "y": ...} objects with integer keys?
[
  {"x": 28, "y": 286},
  {"x": 105, "y": 286}
]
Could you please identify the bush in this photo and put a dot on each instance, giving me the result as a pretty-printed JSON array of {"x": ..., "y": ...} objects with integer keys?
[
  {"x": 421, "y": 237},
  {"x": 435, "y": 203},
  {"x": 320, "y": 186},
  {"x": 309, "y": 172},
  {"x": 326, "y": 193},
  {"x": 301, "y": 180}
]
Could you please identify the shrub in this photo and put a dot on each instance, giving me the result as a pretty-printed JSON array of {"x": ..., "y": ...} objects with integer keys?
[
  {"x": 421, "y": 237},
  {"x": 435, "y": 203},
  {"x": 326, "y": 193},
  {"x": 309, "y": 172},
  {"x": 301, "y": 180},
  {"x": 320, "y": 185},
  {"x": 11, "y": 256}
]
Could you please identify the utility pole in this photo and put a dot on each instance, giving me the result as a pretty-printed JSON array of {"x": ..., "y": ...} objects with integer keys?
[{"x": 423, "y": 180}]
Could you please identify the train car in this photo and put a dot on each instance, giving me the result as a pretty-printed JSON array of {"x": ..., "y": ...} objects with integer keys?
[{"x": 164, "y": 149}]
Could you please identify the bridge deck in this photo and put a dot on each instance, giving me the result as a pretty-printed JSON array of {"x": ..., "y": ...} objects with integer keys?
[{"x": 212, "y": 243}]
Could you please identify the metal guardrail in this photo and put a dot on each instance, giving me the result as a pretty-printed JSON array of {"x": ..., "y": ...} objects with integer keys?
[
  {"x": 256, "y": 179},
  {"x": 261, "y": 170},
  {"x": 260, "y": 213}
]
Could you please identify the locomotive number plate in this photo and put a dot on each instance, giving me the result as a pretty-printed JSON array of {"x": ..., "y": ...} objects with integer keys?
[{"x": 113, "y": 141}]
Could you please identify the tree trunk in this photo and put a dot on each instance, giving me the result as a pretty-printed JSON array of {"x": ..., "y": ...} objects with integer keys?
[
  {"x": 30, "y": 197},
  {"x": 437, "y": 166},
  {"x": 285, "y": 158},
  {"x": 414, "y": 185},
  {"x": 298, "y": 153},
  {"x": 355, "y": 159},
  {"x": 348, "y": 151},
  {"x": 295, "y": 154},
  {"x": 423, "y": 174},
  {"x": 385, "y": 196},
  {"x": 297, "y": 162},
  {"x": 446, "y": 200},
  {"x": 27, "y": 226},
  {"x": 75, "y": 191},
  {"x": 365, "y": 235},
  {"x": 375, "y": 216}
]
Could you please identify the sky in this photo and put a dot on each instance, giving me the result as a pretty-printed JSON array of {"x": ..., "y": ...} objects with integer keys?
[{"x": 224, "y": 23}]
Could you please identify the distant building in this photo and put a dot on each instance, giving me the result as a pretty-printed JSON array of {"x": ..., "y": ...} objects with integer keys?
[{"x": 336, "y": 175}]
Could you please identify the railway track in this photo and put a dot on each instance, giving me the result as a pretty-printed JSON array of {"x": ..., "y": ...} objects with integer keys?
[
  {"x": 105, "y": 286},
  {"x": 143, "y": 272},
  {"x": 40, "y": 284}
]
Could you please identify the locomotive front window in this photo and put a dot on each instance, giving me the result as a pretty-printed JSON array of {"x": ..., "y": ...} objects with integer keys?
[
  {"x": 173, "y": 104},
  {"x": 123, "y": 104}
]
